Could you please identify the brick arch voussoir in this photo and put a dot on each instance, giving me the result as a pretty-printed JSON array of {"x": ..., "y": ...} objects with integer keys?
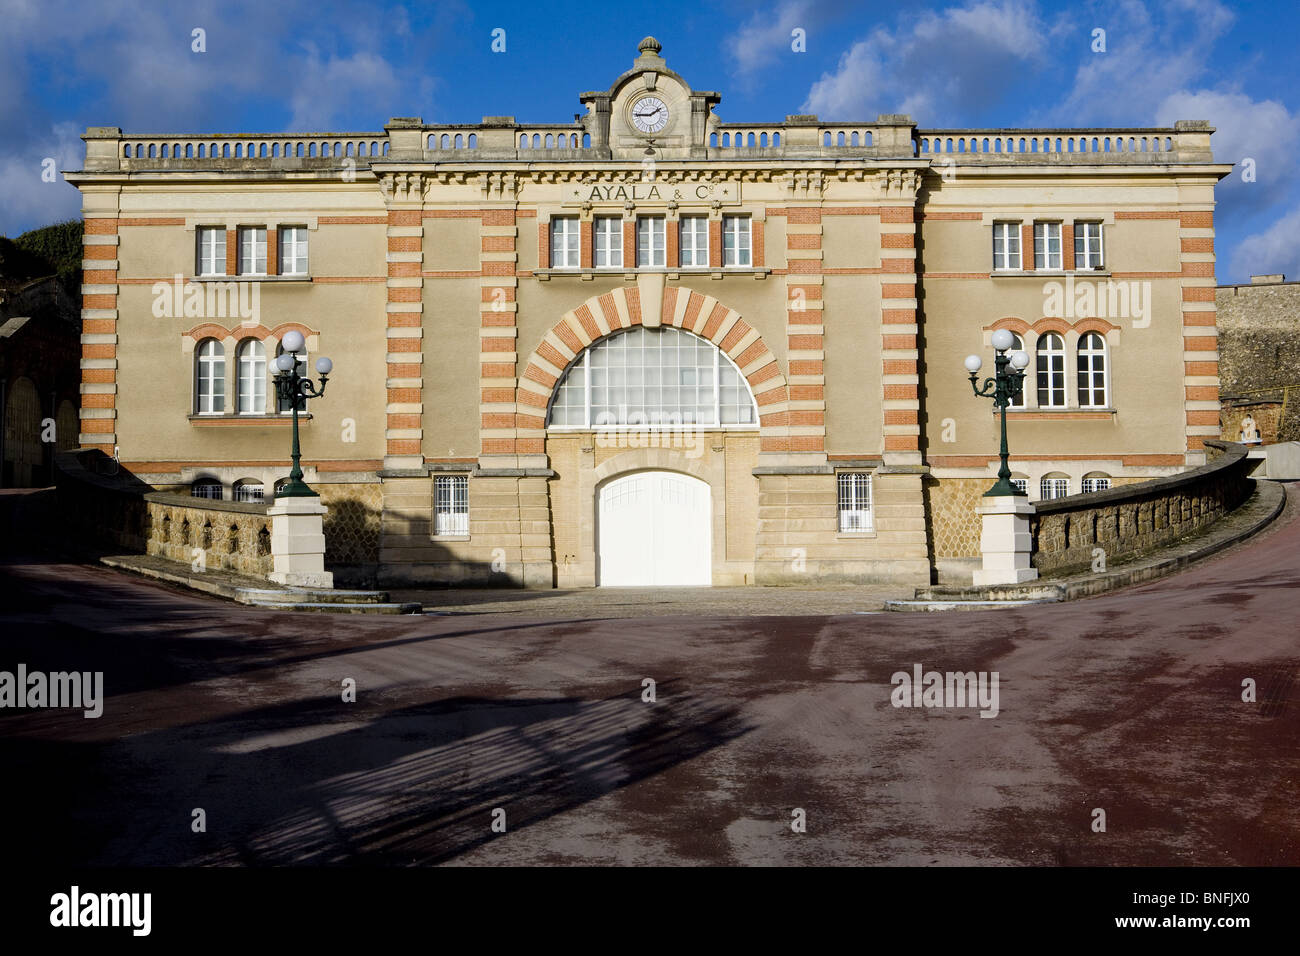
[{"x": 723, "y": 326}]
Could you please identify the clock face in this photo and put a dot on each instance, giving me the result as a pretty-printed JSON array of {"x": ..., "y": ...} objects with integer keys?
[{"x": 649, "y": 114}]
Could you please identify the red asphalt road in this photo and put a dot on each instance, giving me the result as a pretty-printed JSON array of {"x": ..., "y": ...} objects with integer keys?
[{"x": 1130, "y": 703}]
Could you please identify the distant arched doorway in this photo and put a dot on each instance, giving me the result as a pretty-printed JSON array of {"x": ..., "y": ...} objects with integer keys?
[{"x": 22, "y": 425}]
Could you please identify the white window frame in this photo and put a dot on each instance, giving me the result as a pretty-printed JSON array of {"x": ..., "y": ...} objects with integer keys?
[
  {"x": 1022, "y": 485},
  {"x": 651, "y": 242},
  {"x": 250, "y": 387},
  {"x": 1045, "y": 235},
  {"x": 740, "y": 231},
  {"x": 608, "y": 242},
  {"x": 566, "y": 242},
  {"x": 590, "y": 420},
  {"x": 1096, "y": 483},
  {"x": 292, "y": 241},
  {"x": 693, "y": 242},
  {"x": 451, "y": 506},
  {"x": 1049, "y": 488},
  {"x": 252, "y": 250},
  {"x": 213, "y": 360},
  {"x": 211, "y": 247},
  {"x": 1050, "y": 361},
  {"x": 1090, "y": 364},
  {"x": 1008, "y": 260},
  {"x": 1084, "y": 234},
  {"x": 853, "y": 502}
]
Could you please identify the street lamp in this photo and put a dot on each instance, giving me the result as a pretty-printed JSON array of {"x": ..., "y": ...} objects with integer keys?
[
  {"x": 296, "y": 389},
  {"x": 1006, "y": 385}
]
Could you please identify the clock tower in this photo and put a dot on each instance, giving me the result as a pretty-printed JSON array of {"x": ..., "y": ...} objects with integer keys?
[{"x": 650, "y": 107}]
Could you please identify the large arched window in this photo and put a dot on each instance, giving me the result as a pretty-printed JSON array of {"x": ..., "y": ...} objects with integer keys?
[
  {"x": 1092, "y": 371},
  {"x": 252, "y": 378},
  {"x": 658, "y": 376},
  {"x": 210, "y": 378},
  {"x": 1051, "y": 371}
]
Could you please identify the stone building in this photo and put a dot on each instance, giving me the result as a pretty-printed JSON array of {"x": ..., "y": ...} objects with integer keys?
[
  {"x": 39, "y": 355},
  {"x": 1260, "y": 357},
  {"x": 650, "y": 346}
]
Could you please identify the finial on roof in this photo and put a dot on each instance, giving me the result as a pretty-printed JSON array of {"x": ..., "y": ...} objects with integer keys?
[{"x": 649, "y": 45}]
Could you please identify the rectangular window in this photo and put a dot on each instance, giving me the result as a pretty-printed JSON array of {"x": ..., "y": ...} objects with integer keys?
[
  {"x": 855, "y": 501},
  {"x": 252, "y": 251},
  {"x": 1006, "y": 245},
  {"x": 293, "y": 250},
  {"x": 1047, "y": 245},
  {"x": 1022, "y": 485},
  {"x": 451, "y": 505},
  {"x": 650, "y": 248},
  {"x": 735, "y": 241},
  {"x": 564, "y": 242},
  {"x": 609, "y": 242},
  {"x": 1087, "y": 245},
  {"x": 1095, "y": 484},
  {"x": 1051, "y": 488},
  {"x": 694, "y": 246},
  {"x": 212, "y": 251}
]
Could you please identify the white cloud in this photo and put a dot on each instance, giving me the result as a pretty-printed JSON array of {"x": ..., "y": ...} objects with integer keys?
[
  {"x": 939, "y": 67},
  {"x": 330, "y": 87},
  {"x": 26, "y": 198},
  {"x": 1263, "y": 130},
  {"x": 766, "y": 35},
  {"x": 1276, "y": 249}
]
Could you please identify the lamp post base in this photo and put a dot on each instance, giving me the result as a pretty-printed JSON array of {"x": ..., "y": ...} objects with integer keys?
[
  {"x": 298, "y": 543},
  {"x": 1005, "y": 543}
]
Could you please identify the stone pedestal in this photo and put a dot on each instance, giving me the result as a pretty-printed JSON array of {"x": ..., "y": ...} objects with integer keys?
[
  {"x": 298, "y": 543},
  {"x": 1005, "y": 542}
]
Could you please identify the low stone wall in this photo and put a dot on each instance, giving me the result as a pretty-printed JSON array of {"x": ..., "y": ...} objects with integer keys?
[
  {"x": 1129, "y": 520},
  {"x": 217, "y": 535},
  {"x": 113, "y": 509}
]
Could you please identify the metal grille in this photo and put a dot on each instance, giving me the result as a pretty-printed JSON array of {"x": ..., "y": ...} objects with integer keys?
[
  {"x": 855, "y": 501},
  {"x": 206, "y": 489},
  {"x": 1054, "y": 488},
  {"x": 250, "y": 491},
  {"x": 1095, "y": 484},
  {"x": 451, "y": 504}
]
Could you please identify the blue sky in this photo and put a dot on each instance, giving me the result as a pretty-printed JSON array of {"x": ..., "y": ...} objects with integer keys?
[{"x": 319, "y": 65}]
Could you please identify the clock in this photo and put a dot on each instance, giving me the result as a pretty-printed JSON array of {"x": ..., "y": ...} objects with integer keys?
[{"x": 649, "y": 114}]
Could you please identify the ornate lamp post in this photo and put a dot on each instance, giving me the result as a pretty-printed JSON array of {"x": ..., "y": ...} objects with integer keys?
[
  {"x": 1006, "y": 385},
  {"x": 296, "y": 389}
]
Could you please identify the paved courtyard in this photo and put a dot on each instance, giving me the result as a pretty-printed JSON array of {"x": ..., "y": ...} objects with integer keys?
[{"x": 1129, "y": 703}]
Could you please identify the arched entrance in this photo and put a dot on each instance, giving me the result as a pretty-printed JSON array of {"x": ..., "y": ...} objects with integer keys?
[{"x": 654, "y": 529}]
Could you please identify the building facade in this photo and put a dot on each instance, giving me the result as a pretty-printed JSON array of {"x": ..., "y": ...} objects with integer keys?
[{"x": 649, "y": 346}]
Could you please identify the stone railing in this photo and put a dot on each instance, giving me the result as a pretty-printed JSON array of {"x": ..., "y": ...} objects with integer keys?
[
  {"x": 1187, "y": 141},
  {"x": 111, "y": 508},
  {"x": 1132, "y": 519},
  {"x": 108, "y": 149}
]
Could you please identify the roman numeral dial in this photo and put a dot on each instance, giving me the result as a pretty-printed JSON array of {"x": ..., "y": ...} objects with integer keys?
[{"x": 649, "y": 114}]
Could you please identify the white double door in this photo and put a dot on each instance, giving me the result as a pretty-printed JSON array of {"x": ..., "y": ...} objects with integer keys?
[{"x": 655, "y": 529}]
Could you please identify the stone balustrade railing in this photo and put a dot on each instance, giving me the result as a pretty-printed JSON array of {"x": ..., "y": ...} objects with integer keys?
[
  {"x": 501, "y": 138},
  {"x": 1130, "y": 520},
  {"x": 110, "y": 508},
  {"x": 1187, "y": 141}
]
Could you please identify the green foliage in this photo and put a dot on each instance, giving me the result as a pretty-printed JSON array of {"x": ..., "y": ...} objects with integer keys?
[{"x": 49, "y": 250}]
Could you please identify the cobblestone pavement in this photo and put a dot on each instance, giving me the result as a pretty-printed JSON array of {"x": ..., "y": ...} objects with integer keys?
[{"x": 1131, "y": 703}]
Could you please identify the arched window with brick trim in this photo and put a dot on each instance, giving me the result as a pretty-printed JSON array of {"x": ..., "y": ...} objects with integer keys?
[
  {"x": 1051, "y": 371},
  {"x": 660, "y": 377},
  {"x": 1092, "y": 371},
  {"x": 210, "y": 378}
]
